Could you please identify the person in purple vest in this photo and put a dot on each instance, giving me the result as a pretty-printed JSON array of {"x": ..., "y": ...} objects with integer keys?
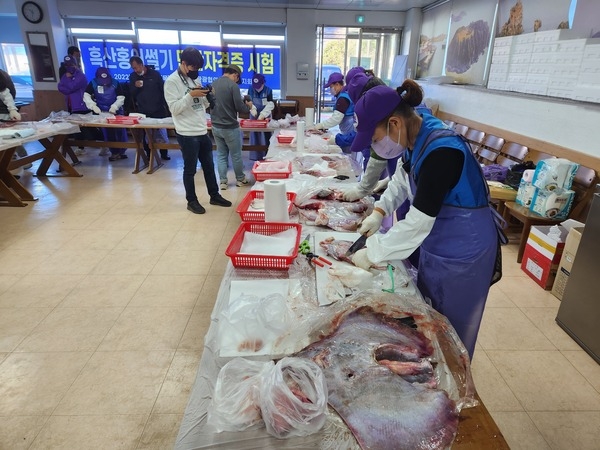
[
  {"x": 72, "y": 85},
  {"x": 449, "y": 218},
  {"x": 104, "y": 94}
]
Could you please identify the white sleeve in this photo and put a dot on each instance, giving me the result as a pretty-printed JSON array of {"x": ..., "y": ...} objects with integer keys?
[
  {"x": 402, "y": 239},
  {"x": 119, "y": 102},
  {"x": 89, "y": 102},
  {"x": 178, "y": 102},
  {"x": 397, "y": 191},
  {"x": 335, "y": 119},
  {"x": 269, "y": 107},
  {"x": 8, "y": 100},
  {"x": 373, "y": 171}
]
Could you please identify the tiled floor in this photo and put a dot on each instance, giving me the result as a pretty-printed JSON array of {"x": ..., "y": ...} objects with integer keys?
[{"x": 106, "y": 288}]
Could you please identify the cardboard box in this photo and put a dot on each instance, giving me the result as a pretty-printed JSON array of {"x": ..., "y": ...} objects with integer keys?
[
  {"x": 554, "y": 204},
  {"x": 542, "y": 253},
  {"x": 525, "y": 193},
  {"x": 566, "y": 262}
]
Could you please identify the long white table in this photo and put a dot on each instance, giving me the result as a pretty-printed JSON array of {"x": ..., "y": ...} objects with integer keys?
[
  {"x": 476, "y": 429},
  {"x": 51, "y": 136},
  {"x": 142, "y": 161}
]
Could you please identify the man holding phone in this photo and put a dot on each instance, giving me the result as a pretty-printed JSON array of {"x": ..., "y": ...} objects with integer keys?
[
  {"x": 147, "y": 91},
  {"x": 188, "y": 103}
]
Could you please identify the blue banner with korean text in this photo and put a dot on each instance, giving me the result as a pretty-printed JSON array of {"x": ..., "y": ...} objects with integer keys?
[{"x": 165, "y": 59}]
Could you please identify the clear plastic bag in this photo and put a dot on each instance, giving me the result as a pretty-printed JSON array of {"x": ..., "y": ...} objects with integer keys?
[
  {"x": 293, "y": 398},
  {"x": 235, "y": 403},
  {"x": 253, "y": 321}
]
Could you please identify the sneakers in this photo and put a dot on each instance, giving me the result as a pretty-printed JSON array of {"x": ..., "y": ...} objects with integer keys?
[
  {"x": 223, "y": 185},
  {"x": 219, "y": 201},
  {"x": 103, "y": 151},
  {"x": 196, "y": 207},
  {"x": 164, "y": 155},
  {"x": 117, "y": 157},
  {"x": 240, "y": 183},
  {"x": 80, "y": 151}
]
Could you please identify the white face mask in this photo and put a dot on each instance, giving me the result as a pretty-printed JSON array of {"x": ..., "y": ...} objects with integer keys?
[{"x": 386, "y": 148}]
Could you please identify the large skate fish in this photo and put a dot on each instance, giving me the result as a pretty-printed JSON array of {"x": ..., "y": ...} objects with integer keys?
[{"x": 381, "y": 383}]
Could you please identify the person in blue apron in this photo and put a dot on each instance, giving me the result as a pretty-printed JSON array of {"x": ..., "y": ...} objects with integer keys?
[
  {"x": 343, "y": 111},
  {"x": 358, "y": 82},
  {"x": 378, "y": 168},
  {"x": 449, "y": 219},
  {"x": 262, "y": 99},
  {"x": 105, "y": 94}
]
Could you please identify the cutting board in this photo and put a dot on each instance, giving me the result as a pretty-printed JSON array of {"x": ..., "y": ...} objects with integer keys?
[
  {"x": 404, "y": 284},
  {"x": 321, "y": 272}
]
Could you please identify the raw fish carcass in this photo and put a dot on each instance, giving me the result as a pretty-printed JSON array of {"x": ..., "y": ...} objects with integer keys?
[
  {"x": 314, "y": 165},
  {"x": 337, "y": 248},
  {"x": 381, "y": 383},
  {"x": 335, "y": 214}
]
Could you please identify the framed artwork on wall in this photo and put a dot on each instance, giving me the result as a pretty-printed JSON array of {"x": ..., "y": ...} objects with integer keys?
[{"x": 469, "y": 40}]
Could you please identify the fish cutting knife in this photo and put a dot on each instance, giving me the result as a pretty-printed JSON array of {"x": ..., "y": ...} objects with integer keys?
[{"x": 358, "y": 244}]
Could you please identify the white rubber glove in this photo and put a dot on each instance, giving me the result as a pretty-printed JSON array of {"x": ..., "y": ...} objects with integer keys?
[
  {"x": 331, "y": 140},
  {"x": 371, "y": 224},
  {"x": 253, "y": 111},
  {"x": 14, "y": 114},
  {"x": 335, "y": 119},
  {"x": 318, "y": 126},
  {"x": 354, "y": 193},
  {"x": 360, "y": 259},
  {"x": 381, "y": 185},
  {"x": 261, "y": 117},
  {"x": 112, "y": 110},
  {"x": 96, "y": 110}
]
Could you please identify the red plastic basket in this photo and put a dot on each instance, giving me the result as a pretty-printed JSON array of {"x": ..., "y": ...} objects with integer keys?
[
  {"x": 262, "y": 176},
  {"x": 123, "y": 120},
  {"x": 284, "y": 139},
  {"x": 261, "y": 261},
  {"x": 249, "y": 123},
  {"x": 257, "y": 216}
]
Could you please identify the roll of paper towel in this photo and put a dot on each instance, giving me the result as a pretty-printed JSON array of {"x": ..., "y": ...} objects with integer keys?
[
  {"x": 528, "y": 175},
  {"x": 300, "y": 136},
  {"x": 276, "y": 205},
  {"x": 309, "y": 116}
]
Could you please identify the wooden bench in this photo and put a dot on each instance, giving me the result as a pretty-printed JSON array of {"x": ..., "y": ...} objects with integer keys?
[{"x": 535, "y": 150}]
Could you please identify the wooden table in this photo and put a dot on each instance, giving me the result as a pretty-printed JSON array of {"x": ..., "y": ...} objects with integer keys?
[
  {"x": 501, "y": 193},
  {"x": 137, "y": 132},
  {"x": 142, "y": 161},
  {"x": 51, "y": 137}
]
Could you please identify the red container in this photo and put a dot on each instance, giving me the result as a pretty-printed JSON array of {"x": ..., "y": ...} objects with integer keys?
[
  {"x": 273, "y": 262},
  {"x": 262, "y": 176},
  {"x": 247, "y": 123},
  {"x": 284, "y": 139},
  {"x": 257, "y": 216},
  {"x": 123, "y": 120}
]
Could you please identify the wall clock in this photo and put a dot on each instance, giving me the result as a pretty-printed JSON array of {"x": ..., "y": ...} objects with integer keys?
[{"x": 32, "y": 12}]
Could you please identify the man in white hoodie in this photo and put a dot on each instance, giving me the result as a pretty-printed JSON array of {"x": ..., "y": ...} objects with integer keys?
[{"x": 187, "y": 102}]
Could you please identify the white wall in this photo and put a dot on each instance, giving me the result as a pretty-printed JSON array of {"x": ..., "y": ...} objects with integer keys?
[{"x": 566, "y": 123}]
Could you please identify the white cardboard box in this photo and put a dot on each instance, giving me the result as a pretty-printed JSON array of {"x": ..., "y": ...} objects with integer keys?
[{"x": 566, "y": 262}]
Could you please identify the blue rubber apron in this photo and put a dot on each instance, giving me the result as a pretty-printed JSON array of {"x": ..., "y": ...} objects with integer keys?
[
  {"x": 456, "y": 264},
  {"x": 259, "y": 137}
]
